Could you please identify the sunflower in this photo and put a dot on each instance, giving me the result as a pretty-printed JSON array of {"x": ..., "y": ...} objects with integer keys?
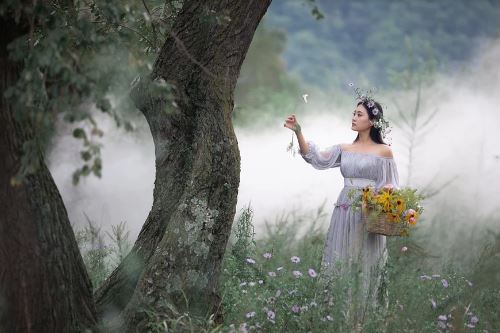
[
  {"x": 384, "y": 199},
  {"x": 400, "y": 205}
]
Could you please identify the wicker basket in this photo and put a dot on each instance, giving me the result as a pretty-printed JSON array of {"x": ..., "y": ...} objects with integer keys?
[{"x": 377, "y": 223}]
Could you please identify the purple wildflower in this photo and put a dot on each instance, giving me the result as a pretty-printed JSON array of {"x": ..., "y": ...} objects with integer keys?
[
  {"x": 244, "y": 328},
  {"x": 271, "y": 315},
  {"x": 295, "y": 308},
  {"x": 297, "y": 274},
  {"x": 295, "y": 259},
  {"x": 312, "y": 273},
  {"x": 267, "y": 255},
  {"x": 445, "y": 283},
  {"x": 250, "y": 314}
]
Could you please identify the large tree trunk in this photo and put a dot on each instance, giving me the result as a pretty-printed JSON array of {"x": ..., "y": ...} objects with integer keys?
[
  {"x": 177, "y": 258},
  {"x": 44, "y": 286}
]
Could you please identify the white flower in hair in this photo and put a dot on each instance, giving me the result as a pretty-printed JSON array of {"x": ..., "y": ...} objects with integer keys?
[{"x": 375, "y": 111}]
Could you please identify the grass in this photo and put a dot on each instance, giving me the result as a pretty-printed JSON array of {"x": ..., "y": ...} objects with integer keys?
[{"x": 444, "y": 278}]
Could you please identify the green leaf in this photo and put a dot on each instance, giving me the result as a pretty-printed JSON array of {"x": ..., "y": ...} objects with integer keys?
[
  {"x": 79, "y": 133},
  {"x": 86, "y": 155},
  {"x": 103, "y": 104}
]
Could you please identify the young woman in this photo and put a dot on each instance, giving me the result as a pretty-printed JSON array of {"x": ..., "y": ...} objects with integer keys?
[{"x": 366, "y": 161}]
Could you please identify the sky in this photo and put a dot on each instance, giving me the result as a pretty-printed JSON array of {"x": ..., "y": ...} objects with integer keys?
[{"x": 461, "y": 144}]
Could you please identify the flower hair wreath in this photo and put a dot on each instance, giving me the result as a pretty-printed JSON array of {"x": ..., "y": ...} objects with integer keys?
[{"x": 366, "y": 98}]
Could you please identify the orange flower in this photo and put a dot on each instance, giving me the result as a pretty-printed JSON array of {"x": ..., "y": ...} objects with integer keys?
[{"x": 391, "y": 217}]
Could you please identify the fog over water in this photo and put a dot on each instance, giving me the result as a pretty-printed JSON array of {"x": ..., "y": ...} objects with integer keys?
[{"x": 462, "y": 143}]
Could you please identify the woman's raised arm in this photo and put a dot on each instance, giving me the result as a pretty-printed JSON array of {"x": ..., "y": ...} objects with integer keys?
[{"x": 291, "y": 123}]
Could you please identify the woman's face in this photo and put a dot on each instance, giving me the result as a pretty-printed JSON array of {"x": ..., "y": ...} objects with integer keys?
[{"x": 360, "y": 120}]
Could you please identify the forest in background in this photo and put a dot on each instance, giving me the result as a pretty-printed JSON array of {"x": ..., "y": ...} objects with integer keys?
[{"x": 370, "y": 43}]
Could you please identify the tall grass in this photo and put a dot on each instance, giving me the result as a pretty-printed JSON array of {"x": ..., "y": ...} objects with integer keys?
[
  {"x": 444, "y": 278},
  {"x": 101, "y": 256}
]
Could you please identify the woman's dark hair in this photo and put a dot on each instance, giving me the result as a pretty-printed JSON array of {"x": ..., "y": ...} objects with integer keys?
[{"x": 375, "y": 134}]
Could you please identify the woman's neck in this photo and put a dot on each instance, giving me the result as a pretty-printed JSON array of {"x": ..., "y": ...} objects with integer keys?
[{"x": 364, "y": 138}]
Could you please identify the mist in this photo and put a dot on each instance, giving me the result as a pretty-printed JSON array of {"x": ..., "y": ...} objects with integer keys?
[{"x": 461, "y": 145}]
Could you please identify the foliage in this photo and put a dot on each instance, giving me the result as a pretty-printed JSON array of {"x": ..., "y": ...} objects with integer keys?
[
  {"x": 362, "y": 41},
  {"x": 73, "y": 58},
  {"x": 435, "y": 283},
  {"x": 100, "y": 258},
  {"x": 264, "y": 88}
]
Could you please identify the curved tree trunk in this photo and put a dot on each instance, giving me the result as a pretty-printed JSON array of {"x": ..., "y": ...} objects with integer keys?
[
  {"x": 44, "y": 286},
  {"x": 177, "y": 258}
]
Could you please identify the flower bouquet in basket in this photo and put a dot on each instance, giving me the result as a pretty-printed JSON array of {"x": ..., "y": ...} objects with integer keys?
[{"x": 389, "y": 211}]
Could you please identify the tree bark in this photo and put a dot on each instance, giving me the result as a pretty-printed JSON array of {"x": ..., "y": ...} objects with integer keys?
[
  {"x": 175, "y": 263},
  {"x": 44, "y": 286}
]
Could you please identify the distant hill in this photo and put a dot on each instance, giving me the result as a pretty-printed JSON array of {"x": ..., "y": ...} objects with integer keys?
[{"x": 367, "y": 40}]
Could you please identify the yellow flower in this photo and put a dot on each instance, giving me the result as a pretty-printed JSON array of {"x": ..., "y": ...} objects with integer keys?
[
  {"x": 384, "y": 199},
  {"x": 391, "y": 217},
  {"x": 367, "y": 194},
  {"x": 400, "y": 205}
]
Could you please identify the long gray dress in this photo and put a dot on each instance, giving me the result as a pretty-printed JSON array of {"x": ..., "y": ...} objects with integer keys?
[{"x": 346, "y": 240}]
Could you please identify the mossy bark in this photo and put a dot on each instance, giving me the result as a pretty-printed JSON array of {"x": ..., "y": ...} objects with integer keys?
[{"x": 176, "y": 261}]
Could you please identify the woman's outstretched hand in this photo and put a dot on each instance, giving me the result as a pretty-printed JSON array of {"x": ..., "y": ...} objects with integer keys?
[{"x": 291, "y": 123}]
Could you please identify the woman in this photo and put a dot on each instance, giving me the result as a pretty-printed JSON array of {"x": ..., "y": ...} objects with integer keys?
[{"x": 367, "y": 161}]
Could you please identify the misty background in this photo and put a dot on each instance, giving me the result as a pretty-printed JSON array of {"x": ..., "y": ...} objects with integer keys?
[{"x": 450, "y": 47}]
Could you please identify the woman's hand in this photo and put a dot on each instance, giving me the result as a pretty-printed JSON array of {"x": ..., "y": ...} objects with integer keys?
[{"x": 291, "y": 123}]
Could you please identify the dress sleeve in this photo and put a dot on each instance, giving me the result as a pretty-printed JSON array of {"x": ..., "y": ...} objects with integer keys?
[
  {"x": 387, "y": 173},
  {"x": 322, "y": 159}
]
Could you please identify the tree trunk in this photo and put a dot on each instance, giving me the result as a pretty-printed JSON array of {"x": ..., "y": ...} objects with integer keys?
[
  {"x": 44, "y": 286},
  {"x": 177, "y": 257}
]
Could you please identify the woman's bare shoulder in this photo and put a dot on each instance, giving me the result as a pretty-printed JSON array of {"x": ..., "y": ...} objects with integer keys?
[
  {"x": 384, "y": 150},
  {"x": 345, "y": 146}
]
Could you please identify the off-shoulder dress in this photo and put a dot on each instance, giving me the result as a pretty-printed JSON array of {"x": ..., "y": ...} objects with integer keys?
[{"x": 346, "y": 240}]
